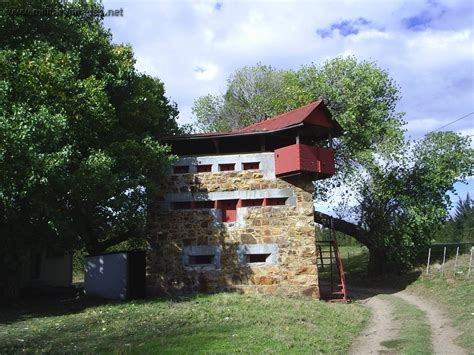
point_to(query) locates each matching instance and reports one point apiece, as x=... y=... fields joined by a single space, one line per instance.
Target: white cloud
x=206 y=72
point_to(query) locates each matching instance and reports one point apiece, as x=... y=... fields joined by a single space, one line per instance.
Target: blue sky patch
x=418 y=22
x=345 y=28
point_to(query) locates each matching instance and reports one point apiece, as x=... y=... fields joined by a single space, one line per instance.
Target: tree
x=253 y=94
x=460 y=226
x=399 y=204
x=403 y=202
x=78 y=129
x=463 y=219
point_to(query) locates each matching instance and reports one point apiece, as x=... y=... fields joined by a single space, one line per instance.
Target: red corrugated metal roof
x=285 y=120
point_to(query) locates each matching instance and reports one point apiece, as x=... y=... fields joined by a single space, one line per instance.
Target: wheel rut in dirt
x=443 y=335
x=383 y=325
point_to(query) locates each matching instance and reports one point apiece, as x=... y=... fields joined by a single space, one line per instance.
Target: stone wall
x=290 y=227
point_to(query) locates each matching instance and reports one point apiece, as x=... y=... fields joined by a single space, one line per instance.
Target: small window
x=204 y=168
x=184 y=205
x=275 y=201
x=252 y=202
x=226 y=167
x=257 y=258
x=203 y=204
x=251 y=166
x=181 y=169
x=201 y=259
x=258 y=254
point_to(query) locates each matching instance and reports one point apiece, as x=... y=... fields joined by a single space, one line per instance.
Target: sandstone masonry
x=291 y=228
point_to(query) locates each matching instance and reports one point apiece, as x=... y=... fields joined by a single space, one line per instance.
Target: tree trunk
x=9 y=280
x=351 y=229
x=377 y=261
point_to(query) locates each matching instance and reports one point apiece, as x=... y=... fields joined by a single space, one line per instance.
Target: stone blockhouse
x=236 y=213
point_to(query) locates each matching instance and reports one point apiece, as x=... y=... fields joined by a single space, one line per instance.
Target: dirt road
x=443 y=334
x=383 y=325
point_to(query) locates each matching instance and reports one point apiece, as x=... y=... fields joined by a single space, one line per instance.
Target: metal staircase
x=332 y=281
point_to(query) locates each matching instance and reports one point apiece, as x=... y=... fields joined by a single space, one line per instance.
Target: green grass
x=455 y=293
x=225 y=323
x=415 y=333
x=354 y=260
x=77 y=276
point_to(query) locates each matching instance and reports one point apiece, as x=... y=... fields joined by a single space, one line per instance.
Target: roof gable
x=314 y=113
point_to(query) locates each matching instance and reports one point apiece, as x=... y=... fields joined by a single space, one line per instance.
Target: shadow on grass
x=52 y=302
x=361 y=286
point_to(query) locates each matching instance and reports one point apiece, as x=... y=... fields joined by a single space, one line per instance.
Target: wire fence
x=451 y=259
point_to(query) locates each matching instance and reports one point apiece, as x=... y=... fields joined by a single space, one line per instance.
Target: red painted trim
x=227 y=167
x=251 y=202
x=299 y=158
x=204 y=168
x=251 y=166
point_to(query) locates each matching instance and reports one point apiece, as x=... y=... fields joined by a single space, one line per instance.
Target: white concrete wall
x=266 y=160
x=107 y=276
x=231 y=195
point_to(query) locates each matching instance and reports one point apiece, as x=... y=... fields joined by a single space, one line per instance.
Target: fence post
x=428 y=263
x=444 y=259
x=470 y=262
x=456 y=260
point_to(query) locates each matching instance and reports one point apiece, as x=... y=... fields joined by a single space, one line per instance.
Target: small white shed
x=119 y=275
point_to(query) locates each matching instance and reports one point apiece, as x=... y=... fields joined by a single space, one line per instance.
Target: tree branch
x=353 y=230
x=113 y=241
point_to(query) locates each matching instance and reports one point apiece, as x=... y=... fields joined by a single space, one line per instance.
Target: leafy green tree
x=404 y=201
x=253 y=94
x=460 y=226
x=463 y=219
x=79 y=129
x=361 y=96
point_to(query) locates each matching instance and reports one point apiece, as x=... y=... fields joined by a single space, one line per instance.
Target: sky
x=426 y=45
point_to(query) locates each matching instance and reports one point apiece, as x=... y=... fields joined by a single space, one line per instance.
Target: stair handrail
x=342 y=276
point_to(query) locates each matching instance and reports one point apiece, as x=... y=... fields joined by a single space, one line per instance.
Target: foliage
x=460 y=226
x=253 y=94
x=402 y=201
x=78 y=132
x=203 y=324
x=342 y=239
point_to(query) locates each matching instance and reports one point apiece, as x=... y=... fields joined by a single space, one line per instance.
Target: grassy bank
x=212 y=323
x=454 y=292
